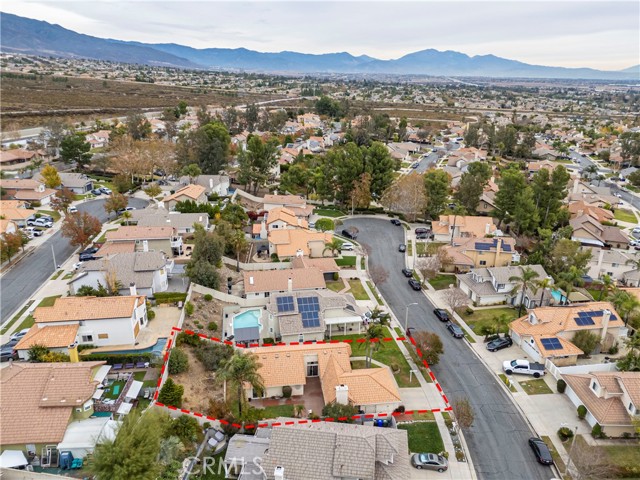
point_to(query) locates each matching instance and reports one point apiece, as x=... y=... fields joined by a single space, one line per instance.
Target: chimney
x=498 y=250
x=487 y=229
x=133 y=291
x=290 y=285
x=278 y=473
x=342 y=394
x=145 y=245
x=606 y=316
x=73 y=353
x=211 y=183
x=250 y=280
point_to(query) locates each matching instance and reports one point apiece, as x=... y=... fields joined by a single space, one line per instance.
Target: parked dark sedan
x=402 y=248
x=499 y=344
x=96 y=191
x=415 y=284
x=396 y=222
x=455 y=330
x=6 y=351
x=541 y=451
x=442 y=315
x=407 y=272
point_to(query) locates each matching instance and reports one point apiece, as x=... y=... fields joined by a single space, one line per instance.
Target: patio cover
x=85 y=434
x=102 y=372
x=13 y=458
x=134 y=389
x=124 y=408
x=246 y=334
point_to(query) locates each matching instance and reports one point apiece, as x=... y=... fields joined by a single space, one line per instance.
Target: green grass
x=375 y=293
x=410 y=248
x=555 y=455
x=48 y=301
x=357 y=290
x=68 y=276
x=421 y=248
x=358 y=364
x=362 y=265
x=423 y=437
x=441 y=282
x=387 y=352
x=110 y=394
x=625 y=456
x=481 y=319
x=335 y=286
x=57 y=274
x=535 y=387
x=349 y=261
x=418 y=362
x=214 y=470
x=53 y=213
x=398 y=331
x=26 y=323
x=507 y=382
x=594 y=292
x=7 y=326
x=625 y=216
x=324 y=212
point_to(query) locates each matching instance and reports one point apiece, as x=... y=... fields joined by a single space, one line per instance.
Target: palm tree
x=524 y=282
x=635 y=263
x=334 y=246
x=545 y=283
x=625 y=303
x=501 y=321
x=375 y=332
x=606 y=286
x=126 y=215
x=238 y=242
x=458 y=210
x=240 y=369
x=570 y=279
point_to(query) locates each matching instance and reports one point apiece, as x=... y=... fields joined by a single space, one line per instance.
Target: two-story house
x=612 y=399
x=263 y=283
x=194 y=193
x=99 y=321
x=462 y=226
x=295 y=203
x=278 y=218
x=159 y=217
x=27 y=190
x=492 y=286
x=472 y=252
x=213 y=184
x=289 y=243
x=546 y=332
x=148 y=271
x=589 y=232
x=615 y=263
x=16 y=212
x=146 y=239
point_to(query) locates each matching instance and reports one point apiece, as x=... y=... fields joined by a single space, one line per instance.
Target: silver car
x=429 y=461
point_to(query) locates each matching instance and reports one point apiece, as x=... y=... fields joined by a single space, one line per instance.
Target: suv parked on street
x=442 y=315
x=415 y=284
x=455 y=330
x=350 y=232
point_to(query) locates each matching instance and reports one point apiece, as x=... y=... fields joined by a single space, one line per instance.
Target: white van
x=347 y=246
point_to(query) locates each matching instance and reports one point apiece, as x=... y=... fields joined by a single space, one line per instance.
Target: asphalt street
x=23 y=280
x=498 y=438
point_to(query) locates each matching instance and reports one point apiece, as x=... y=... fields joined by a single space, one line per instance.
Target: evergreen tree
x=437 y=188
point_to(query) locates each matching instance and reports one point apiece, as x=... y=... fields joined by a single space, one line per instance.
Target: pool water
x=557 y=295
x=156 y=349
x=247 y=319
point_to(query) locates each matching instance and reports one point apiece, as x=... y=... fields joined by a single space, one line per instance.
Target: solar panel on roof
x=284 y=304
x=551 y=344
x=309 y=309
x=583 y=314
x=582 y=321
x=597 y=313
x=483 y=246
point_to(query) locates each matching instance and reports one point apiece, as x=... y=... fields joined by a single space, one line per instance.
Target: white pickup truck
x=524 y=367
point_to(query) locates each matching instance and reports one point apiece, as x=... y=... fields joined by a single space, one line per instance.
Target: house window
x=301 y=337
x=614 y=265
x=483 y=262
x=312 y=369
x=81 y=323
x=500 y=286
x=103 y=336
x=594 y=386
x=630 y=407
x=87 y=338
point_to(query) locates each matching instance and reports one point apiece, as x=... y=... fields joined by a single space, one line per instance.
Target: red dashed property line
x=171 y=343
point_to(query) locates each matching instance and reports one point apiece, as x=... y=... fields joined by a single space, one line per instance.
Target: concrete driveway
x=498 y=439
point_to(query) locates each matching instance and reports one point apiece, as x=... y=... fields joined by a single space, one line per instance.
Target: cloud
x=566 y=33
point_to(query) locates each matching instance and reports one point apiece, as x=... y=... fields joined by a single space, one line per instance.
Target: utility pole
x=55 y=264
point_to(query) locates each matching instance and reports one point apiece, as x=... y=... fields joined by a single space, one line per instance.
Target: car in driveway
x=72 y=210
x=402 y=248
x=85 y=257
x=19 y=335
x=455 y=330
x=541 y=451
x=105 y=190
x=96 y=191
x=41 y=222
x=407 y=272
x=429 y=461
x=442 y=315
x=396 y=222
x=415 y=284
x=7 y=350
x=34 y=232
x=499 y=344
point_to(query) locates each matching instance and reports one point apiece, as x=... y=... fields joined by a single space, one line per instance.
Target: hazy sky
x=578 y=33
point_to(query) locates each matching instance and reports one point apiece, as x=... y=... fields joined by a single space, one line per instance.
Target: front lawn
x=5 y=328
x=424 y=437
x=625 y=215
x=421 y=248
x=375 y=294
x=335 y=286
x=104 y=236
x=48 y=301
x=507 y=382
x=346 y=261
x=55 y=215
x=481 y=319
x=387 y=352
x=625 y=458
x=57 y=274
x=325 y=212
x=357 y=290
x=440 y=282
x=535 y=387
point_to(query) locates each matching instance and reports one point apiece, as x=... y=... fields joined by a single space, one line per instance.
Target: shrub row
x=114 y=358
x=169 y=297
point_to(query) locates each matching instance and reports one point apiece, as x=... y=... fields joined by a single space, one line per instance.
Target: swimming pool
x=156 y=349
x=247 y=319
x=557 y=295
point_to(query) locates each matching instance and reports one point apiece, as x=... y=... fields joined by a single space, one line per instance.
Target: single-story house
x=289 y=243
x=491 y=286
x=462 y=226
x=11 y=210
x=589 y=232
x=372 y=390
x=147 y=239
x=264 y=283
x=182 y=222
x=612 y=399
x=147 y=271
x=546 y=332
x=27 y=190
x=99 y=321
x=17 y=158
x=39 y=402
x=327 y=266
x=295 y=203
x=78 y=183
x=213 y=184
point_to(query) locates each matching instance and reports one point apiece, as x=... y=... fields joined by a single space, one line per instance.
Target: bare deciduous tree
x=590 y=463
x=378 y=274
x=429 y=267
x=455 y=298
x=407 y=196
x=463 y=412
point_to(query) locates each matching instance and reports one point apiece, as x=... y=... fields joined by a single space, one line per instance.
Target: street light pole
x=406 y=315
x=573 y=439
x=55 y=265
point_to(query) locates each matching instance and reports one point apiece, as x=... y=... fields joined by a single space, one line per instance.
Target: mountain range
x=24 y=35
